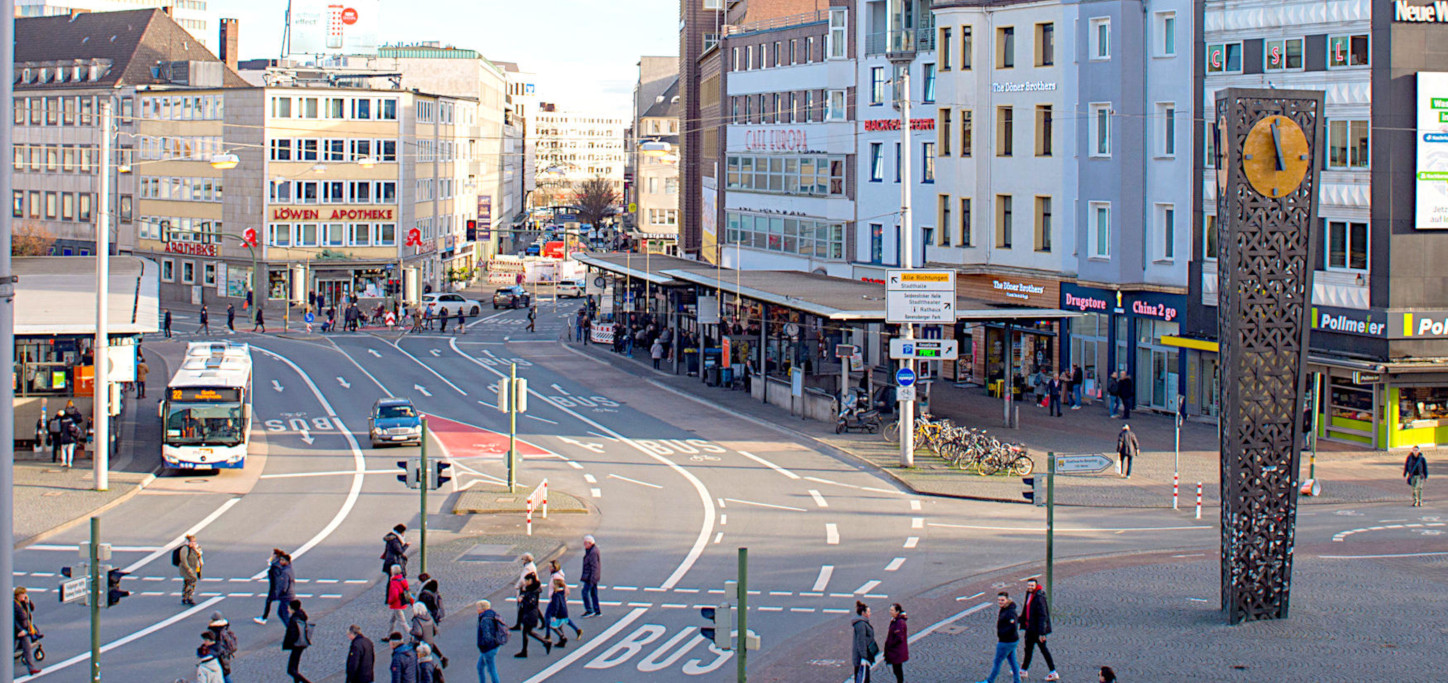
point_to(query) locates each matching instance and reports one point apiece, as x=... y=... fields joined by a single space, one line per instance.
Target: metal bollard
x=545 y=499
x=1199 y=500
x=1174 y=490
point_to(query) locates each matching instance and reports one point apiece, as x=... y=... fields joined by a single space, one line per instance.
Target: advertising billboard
x=1432 y=167
x=333 y=27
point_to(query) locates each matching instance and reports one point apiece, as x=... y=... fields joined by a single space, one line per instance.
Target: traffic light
x=472 y=228
x=409 y=472
x=1036 y=495
x=439 y=476
x=113 y=582
x=721 y=625
x=248 y=237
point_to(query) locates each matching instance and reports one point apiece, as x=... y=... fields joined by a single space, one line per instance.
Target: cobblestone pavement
x=1348 y=475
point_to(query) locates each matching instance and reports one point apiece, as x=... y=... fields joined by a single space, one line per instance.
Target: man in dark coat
x=1078 y=383
x=394 y=549
x=205 y=327
x=1007 y=638
x=404 y=660
x=589 y=578
x=1126 y=449
x=1415 y=470
x=492 y=634
x=231 y=317
x=1113 y=393
x=166 y=323
x=1127 y=386
x=360 y=658
x=1053 y=393
x=1036 y=622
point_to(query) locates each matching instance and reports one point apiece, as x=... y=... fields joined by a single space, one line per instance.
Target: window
x=927 y=162
x=1100 y=228
x=1043 y=223
x=359 y=234
x=1100 y=38
x=837 y=105
x=942 y=218
x=897 y=162
x=966 y=43
x=944 y=134
x=1224 y=58
x=362 y=109
x=838 y=33
x=1166 y=34
x=1347 y=144
x=32 y=199
x=1045 y=44
x=1003 y=220
x=877 y=243
x=1282 y=55
x=1166 y=114
x=17 y=204
x=384 y=235
x=1347 y=245
x=281 y=150
x=793 y=51
x=281 y=108
x=1005 y=131
x=168 y=270
x=966 y=133
x=1006 y=47
x=336 y=108
x=85 y=207
x=965 y=236
x=52 y=205
x=877 y=85
x=1101 y=130
x=1166 y=220
x=877 y=162
x=944 y=48
x=307 y=150
x=279 y=235
x=387 y=109
x=1044 y=126
x=188 y=272
x=208 y=276
x=67 y=206
x=308 y=107
x=927 y=94
x=1347 y=51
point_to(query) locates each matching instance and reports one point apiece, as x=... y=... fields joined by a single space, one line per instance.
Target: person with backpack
x=225 y=648
x=399 y=601
x=187 y=559
x=394 y=550
x=492 y=635
x=273 y=571
x=69 y=434
x=297 y=639
x=209 y=669
x=427 y=668
x=424 y=630
x=429 y=596
x=53 y=427
x=360 y=659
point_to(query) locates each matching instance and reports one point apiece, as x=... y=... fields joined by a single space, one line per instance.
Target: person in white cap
x=592 y=572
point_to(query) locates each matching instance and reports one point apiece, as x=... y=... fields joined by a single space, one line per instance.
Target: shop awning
x=838 y=298
x=57 y=295
x=647 y=267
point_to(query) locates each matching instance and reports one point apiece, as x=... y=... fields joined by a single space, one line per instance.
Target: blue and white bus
x=206 y=414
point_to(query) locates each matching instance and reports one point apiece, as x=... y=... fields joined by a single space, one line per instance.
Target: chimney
x=167 y=9
x=229 y=41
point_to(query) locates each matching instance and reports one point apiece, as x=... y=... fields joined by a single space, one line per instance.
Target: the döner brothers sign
x=287 y=213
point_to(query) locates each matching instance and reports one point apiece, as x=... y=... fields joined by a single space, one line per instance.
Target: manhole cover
x=489 y=552
x=953 y=630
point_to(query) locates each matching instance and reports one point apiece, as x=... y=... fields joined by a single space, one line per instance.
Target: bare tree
x=31 y=239
x=594 y=198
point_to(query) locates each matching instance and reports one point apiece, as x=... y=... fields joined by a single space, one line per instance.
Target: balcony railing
x=778 y=22
x=900 y=41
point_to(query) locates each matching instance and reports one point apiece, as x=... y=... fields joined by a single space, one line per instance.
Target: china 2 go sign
x=1432 y=167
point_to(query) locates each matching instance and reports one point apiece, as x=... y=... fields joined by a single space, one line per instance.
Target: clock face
x=1276 y=156
x=1219 y=145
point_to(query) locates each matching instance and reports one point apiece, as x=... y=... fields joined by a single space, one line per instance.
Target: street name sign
x=73 y=590
x=924 y=349
x=1082 y=464
x=920 y=297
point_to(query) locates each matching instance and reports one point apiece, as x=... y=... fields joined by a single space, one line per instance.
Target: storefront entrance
x=333 y=291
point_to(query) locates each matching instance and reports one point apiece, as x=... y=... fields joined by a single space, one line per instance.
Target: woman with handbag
x=25 y=632
x=399 y=601
x=865 y=649
x=528 y=609
x=297 y=640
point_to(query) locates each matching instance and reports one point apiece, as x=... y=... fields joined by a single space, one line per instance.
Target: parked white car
x=451 y=302
x=570 y=289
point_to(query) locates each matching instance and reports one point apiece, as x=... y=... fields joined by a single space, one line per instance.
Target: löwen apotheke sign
x=332 y=213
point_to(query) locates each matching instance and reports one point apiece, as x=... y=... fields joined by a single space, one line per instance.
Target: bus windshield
x=204 y=423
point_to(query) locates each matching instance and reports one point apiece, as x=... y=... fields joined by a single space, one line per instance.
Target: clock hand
x=1277 y=143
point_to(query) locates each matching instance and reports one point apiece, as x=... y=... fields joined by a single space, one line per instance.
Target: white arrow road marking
x=345 y=384
x=634 y=481
x=436 y=353
x=422 y=390
x=276 y=385
x=374 y=353
x=832 y=534
x=307 y=437
x=596 y=448
x=824 y=578
x=557 y=388
x=425 y=366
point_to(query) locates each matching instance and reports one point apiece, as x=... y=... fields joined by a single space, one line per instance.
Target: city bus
x=206 y=413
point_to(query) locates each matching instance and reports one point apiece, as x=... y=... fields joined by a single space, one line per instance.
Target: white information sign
x=920 y=297
x=1432 y=168
x=924 y=349
x=905 y=393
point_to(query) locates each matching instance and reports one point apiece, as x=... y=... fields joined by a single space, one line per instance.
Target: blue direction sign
x=309 y=318
x=905 y=377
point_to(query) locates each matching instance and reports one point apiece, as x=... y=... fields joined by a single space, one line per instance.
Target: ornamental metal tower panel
x=1267 y=145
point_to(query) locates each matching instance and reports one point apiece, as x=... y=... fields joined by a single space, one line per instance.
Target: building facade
x=654 y=187
x=194 y=16
x=577 y=146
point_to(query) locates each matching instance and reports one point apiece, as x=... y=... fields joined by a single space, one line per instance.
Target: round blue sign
x=310 y=318
x=904 y=377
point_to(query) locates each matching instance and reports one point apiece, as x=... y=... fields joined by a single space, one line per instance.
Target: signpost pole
x=1050 y=524
x=1316 y=396
x=424 y=479
x=907 y=261
x=513 y=429
x=741 y=641
x=95 y=598
x=100 y=386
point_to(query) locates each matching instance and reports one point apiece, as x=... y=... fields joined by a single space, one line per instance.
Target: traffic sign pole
x=422 y=475
x=95 y=599
x=1050 y=525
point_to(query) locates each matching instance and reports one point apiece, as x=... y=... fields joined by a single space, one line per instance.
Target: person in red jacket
x=1036 y=622
x=398 y=600
x=897 y=642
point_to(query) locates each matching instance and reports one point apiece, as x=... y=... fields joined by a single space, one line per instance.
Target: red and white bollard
x=1199 y=500
x=545 y=499
x=1174 y=499
x=530 y=516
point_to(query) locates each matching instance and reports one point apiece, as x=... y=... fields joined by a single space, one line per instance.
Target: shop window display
x=1420 y=407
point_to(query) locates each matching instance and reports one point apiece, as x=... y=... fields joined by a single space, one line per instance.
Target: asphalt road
x=677 y=487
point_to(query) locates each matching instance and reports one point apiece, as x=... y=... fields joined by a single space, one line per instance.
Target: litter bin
x=711 y=375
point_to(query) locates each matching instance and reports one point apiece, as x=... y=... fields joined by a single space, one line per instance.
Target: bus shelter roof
x=647 y=267
x=57 y=295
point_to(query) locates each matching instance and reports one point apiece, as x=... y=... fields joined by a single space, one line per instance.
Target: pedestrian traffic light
x=113 y=582
x=409 y=472
x=721 y=625
x=1036 y=494
x=439 y=476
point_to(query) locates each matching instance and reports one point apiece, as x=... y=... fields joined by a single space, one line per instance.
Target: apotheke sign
x=1436 y=12
x=288 y=213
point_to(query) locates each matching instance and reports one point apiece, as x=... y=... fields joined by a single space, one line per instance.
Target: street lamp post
x=100 y=386
x=907 y=256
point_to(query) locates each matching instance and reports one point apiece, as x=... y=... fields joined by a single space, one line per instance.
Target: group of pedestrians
x=1052 y=389
x=65 y=429
x=553 y=618
x=1121 y=394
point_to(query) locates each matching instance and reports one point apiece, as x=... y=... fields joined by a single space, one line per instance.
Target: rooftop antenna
x=286 y=32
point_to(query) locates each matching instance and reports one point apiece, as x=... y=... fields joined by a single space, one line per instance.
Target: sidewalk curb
x=828 y=449
x=66 y=526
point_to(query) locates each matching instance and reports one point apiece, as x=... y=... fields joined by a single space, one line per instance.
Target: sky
x=584 y=52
